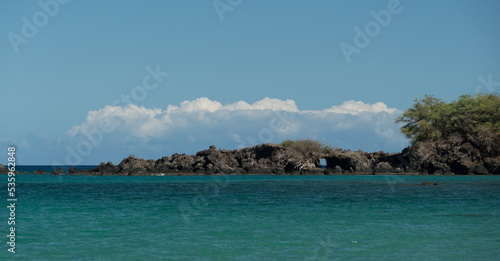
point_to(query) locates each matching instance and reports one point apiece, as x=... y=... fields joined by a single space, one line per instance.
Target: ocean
x=256 y=217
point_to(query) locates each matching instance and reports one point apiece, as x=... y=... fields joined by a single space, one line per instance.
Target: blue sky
x=87 y=54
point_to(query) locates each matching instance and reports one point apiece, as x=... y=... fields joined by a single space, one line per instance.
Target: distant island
x=461 y=137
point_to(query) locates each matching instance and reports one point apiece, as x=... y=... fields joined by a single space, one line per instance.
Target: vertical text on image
x=11 y=199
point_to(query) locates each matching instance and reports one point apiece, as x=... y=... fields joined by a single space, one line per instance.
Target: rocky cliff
x=444 y=156
x=3 y=169
x=450 y=156
x=438 y=157
x=260 y=159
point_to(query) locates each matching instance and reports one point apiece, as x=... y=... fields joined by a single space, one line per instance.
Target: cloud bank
x=116 y=131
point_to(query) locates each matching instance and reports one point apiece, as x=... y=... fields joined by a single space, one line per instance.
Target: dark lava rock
x=384 y=168
x=451 y=155
x=74 y=171
x=57 y=172
x=441 y=157
x=350 y=161
x=106 y=169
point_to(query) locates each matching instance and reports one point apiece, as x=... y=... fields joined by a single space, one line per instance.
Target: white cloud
x=200 y=104
x=193 y=125
x=139 y=121
x=356 y=107
x=205 y=104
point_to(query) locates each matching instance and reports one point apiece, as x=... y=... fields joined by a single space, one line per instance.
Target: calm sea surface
x=254 y=218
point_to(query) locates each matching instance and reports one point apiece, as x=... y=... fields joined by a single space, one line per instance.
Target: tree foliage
x=476 y=119
x=307 y=147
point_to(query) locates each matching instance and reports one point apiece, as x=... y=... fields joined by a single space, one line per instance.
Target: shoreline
x=239 y=174
x=439 y=157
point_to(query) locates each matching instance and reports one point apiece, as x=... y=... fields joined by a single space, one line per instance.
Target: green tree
x=476 y=119
x=307 y=147
x=425 y=120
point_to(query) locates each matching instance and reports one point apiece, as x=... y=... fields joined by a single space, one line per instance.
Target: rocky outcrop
x=359 y=162
x=441 y=157
x=260 y=159
x=3 y=169
x=57 y=172
x=450 y=156
x=438 y=157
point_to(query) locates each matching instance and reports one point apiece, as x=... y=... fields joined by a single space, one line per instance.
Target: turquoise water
x=255 y=218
